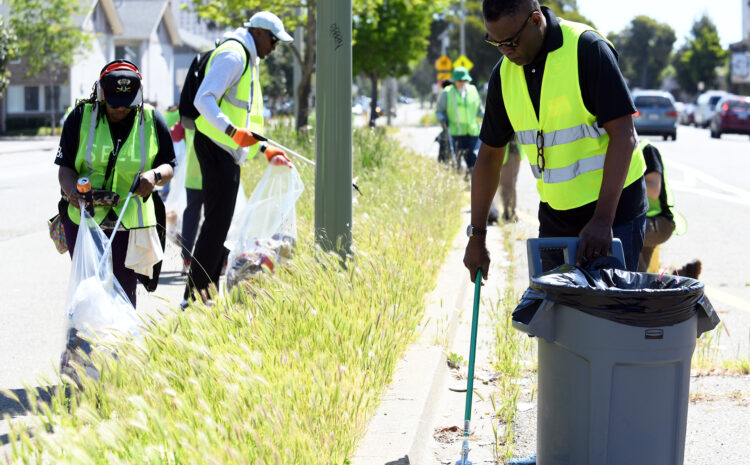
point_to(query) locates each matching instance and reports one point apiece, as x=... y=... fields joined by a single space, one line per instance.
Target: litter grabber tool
x=464 y=460
x=286 y=149
x=133 y=188
x=292 y=152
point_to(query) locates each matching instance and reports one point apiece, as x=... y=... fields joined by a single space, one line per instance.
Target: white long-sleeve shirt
x=225 y=72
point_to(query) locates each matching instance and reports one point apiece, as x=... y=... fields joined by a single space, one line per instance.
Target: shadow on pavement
x=9 y=406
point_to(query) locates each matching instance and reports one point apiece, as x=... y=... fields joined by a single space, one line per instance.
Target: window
x=60 y=96
x=652 y=101
x=31 y=98
x=126 y=52
x=15 y=99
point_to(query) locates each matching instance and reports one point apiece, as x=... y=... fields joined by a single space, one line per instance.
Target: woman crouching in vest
x=111 y=138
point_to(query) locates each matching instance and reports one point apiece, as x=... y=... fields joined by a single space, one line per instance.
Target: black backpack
x=193 y=80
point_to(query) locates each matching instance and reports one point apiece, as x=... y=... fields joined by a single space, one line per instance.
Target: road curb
x=398 y=433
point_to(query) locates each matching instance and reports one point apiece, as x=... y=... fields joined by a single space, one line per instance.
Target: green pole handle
x=472 y=349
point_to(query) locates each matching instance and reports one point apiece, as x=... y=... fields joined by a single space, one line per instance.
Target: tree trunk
x=307 y=63
x=374 y=101
x=53 y=103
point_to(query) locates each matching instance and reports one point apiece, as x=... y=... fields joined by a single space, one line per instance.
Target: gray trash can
x=614 y=361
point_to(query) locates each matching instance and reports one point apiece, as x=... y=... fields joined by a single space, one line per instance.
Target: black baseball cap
x=121 y=85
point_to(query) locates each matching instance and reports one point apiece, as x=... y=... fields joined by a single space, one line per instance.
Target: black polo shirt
x=68 y=149
x=605 y=95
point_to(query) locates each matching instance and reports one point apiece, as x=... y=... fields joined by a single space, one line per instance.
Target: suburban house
x=157 y=35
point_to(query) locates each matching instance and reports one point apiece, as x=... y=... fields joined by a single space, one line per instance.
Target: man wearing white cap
x=230 y=105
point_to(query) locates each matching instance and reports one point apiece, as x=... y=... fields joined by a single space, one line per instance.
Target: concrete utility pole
x=333 y=126
x=462 y=16
x=299 y=40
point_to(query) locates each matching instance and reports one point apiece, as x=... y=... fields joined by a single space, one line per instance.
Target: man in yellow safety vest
x=559 y=90
x=231 y=108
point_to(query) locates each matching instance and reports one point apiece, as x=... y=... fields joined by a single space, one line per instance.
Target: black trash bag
x=598 y=288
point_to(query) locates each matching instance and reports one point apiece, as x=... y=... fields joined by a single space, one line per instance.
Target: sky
x=614 y=16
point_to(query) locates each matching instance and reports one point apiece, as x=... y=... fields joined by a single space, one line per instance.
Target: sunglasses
x=513 y=41
x=274 y=39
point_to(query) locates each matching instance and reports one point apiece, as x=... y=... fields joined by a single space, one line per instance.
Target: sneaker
x=186 y=266
x=184 y=304
x=691 y=269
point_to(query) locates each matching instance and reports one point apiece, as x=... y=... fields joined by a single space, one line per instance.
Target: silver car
x=656 y=113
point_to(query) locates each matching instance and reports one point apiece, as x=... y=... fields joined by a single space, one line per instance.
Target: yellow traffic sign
x=443 y=76
x=443 y=64
x=463 y=61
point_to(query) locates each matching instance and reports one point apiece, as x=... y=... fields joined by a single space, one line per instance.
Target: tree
x=7 y=52
x=390 y=38
x=48 y=38
x=644 y=47
x=567 y=9
x=696 y=61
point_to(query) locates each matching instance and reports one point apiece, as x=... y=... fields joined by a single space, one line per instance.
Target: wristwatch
x=472 y=230
x=157 y=176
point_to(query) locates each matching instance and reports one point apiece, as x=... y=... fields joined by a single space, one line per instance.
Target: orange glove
x=276 y=156
x=243 y=137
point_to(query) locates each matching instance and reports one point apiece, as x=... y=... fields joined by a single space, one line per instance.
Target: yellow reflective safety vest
x=654 y=205
x=573 y=146
x=136 y=155
x=193 y=176
x=242 y=103
x=462 y=111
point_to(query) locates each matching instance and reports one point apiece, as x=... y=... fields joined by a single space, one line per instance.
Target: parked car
x=705 y=106
x=656 y=113
x=685 y=113
x=732 y=115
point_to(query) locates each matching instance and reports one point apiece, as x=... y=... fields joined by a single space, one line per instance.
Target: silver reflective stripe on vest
x=142 y=138
x=561 y=136
x=570 y=172
x=92 y=130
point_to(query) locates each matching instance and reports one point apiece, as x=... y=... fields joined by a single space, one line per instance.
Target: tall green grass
x=285 y=370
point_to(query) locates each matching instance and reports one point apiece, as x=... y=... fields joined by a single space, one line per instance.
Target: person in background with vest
x=457 y=110
x=559 y=89
x=660 y=218
x=115 y=117
x=508 y=180
x=230 y=104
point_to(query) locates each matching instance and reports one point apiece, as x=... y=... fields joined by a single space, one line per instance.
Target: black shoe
x=691 y=269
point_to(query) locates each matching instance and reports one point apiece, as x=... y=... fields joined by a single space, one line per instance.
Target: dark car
x=732 y=116
x=656 y=113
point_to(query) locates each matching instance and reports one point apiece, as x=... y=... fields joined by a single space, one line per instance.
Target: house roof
x=111 y=12
x=108 y=6
x=142 y=17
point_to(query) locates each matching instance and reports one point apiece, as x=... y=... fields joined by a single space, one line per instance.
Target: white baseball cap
x=270 y=22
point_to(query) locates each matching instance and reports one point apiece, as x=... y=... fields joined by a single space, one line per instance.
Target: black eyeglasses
x=540 y=150
x=513 y=41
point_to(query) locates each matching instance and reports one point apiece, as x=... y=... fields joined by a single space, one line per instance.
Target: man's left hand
x=146 y=184
x=277 y=157
x=595 y=240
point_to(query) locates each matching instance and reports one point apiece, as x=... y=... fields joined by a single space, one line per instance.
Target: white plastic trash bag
x=97 y=306
x=266 y=231
x=177 y=198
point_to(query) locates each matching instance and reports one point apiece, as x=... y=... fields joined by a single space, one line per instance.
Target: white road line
x=694 y=177
x=739 y=303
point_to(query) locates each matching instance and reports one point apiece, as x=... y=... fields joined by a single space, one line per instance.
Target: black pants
x=221 y=179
